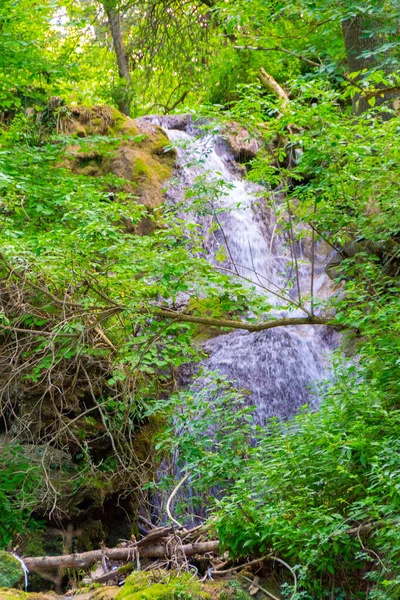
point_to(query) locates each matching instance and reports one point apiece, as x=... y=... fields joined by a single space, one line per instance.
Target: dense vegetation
x=93 y=268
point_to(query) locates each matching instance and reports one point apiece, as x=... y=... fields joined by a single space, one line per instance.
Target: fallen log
x=273 y=86
x=85 y=559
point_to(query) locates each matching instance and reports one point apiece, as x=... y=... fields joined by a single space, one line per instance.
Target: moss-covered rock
x=138 y=152
x=7 y=594
x=161 y=585
x=104 y=593
x=170 y=585
x=10 y=570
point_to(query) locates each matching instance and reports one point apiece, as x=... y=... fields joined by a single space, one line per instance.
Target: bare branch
x=279 y=49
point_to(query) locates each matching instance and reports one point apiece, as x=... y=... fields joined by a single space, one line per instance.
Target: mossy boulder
x=104 y=593
x=11 y=572
x=7 y=594
x=138 y=153
x=161 y=585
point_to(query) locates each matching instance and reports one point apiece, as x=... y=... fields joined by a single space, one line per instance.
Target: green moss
x=233 y=591
x=161 y=585
x=12 y=594
x=104 y=593
x=126 y=568
x=10 y=570
x=7 y=594
x=141 y=168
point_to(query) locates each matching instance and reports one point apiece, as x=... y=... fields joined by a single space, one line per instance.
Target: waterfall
x=279 y=367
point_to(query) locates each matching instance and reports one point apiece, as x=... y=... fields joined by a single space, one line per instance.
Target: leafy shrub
x=19 y=491
x=322 y=490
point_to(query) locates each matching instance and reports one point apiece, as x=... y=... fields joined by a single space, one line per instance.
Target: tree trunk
x=356 y=42
x=123 y=99
x=85 y=559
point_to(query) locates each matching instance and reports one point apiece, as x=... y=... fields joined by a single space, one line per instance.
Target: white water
x=279 y=367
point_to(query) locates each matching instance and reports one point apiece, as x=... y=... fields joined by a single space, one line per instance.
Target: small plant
x=19 y=492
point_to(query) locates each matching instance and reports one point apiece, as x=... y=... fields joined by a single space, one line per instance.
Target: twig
x=253 y=562
x=266 y=592
x=313 y=262
x=172 y=496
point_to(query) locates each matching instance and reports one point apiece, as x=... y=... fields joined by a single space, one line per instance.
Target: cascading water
x=279 y=367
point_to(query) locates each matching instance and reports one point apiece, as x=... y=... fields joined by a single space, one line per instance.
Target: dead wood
x=85 y=559
x=273 y=86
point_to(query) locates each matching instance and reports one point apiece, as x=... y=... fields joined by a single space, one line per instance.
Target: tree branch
x=285 y=322
x=279 y=49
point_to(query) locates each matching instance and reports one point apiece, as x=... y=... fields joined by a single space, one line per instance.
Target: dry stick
x=327 y=241
x=253 y=562
x=282 y=562
x=111 y=574
x=252 y=264
x=38 y=332
x=294 y=253
x=182 y=317
x=266 y=592
x=103 y=420
x=39 y=288
x=269 y=82
x=226 y=243
x=146 y=522
x=172 y=496
x=270 y=249
x=263 y=286
x=313 y=64
x=154 y=535
x=238 y=567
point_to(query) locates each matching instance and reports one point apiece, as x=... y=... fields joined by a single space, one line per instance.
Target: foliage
x=19 y=492
x=81 y=290
x=10 y=570
x=161 y=585
x=321 y=490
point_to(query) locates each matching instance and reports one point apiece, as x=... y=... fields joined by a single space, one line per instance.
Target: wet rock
x=243 y=145
x=180 y=122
